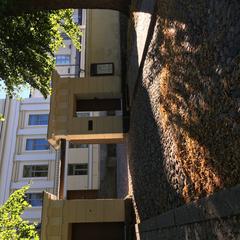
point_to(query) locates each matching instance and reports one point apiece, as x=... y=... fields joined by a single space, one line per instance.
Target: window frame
x=26 y=119
x=74 y=170
x=63 y=55
x=37 y=114
x=32 y=171
x=37 y=193
x=35 y=138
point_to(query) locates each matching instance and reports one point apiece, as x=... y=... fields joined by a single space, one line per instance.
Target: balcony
x=62 y=218
x=72 y=96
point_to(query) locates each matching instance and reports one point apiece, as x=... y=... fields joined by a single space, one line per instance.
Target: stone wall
x=216 y=217
x=185 y=119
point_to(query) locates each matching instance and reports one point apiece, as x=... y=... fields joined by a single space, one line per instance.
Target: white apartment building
x=26 y=157
x=70 y=62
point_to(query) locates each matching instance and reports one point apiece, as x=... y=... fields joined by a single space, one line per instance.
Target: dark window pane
x=78 y=169
x=35 y=199
x=70 y=169
x=111 y=150
x=26 y=171
x=38 y=119
x=35 y=170
x=65 y=36
x=37 y=144
x=63 y=59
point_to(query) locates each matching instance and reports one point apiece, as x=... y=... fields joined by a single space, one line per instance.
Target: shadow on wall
x=214 y=217
x=185 y=120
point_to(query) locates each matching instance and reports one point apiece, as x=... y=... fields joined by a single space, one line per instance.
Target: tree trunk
x=16 y=7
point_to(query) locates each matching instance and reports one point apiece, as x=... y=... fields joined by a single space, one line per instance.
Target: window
x=77 y=145
x=35 y=171
x=38 y=119
x=77 y=169
x=35 y=199
x=63 y=59
x=65 y=36
x=77 y=17
x=37 y=144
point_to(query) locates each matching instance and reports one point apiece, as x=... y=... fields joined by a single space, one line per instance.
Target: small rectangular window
x=35 y=199
x=77 y=169
x=77 y=145
x=35 y=171
x=63 y=59
x=38 y=119
x=37 y=144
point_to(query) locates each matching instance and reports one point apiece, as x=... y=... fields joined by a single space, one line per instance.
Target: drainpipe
x=90 y=166
x=66 y=169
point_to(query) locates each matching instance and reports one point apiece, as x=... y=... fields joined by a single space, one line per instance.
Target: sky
x=23 y=93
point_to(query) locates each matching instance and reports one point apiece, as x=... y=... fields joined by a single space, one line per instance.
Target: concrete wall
x=216 y=217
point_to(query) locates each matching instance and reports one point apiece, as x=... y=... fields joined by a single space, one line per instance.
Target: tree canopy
x=27 y=46
x=12 y=226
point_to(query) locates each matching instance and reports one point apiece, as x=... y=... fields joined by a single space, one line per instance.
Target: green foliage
x=27 y=46
x=2 y=119
x=12 y=226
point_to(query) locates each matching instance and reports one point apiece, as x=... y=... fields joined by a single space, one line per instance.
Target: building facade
x=87 y=115
x=26 y=157
x=25 y=154
x=77 y=169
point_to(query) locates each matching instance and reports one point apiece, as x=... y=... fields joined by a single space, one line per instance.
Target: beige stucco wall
x=59 y=214
x=103 y=39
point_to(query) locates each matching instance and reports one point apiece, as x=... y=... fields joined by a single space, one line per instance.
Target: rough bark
x=15 y=7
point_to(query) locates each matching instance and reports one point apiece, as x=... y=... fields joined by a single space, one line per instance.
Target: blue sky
x=23 y=93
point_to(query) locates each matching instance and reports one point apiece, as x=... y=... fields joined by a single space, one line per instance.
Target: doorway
x=98 y=231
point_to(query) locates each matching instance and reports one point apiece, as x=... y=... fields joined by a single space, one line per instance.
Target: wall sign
x=102 y=69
